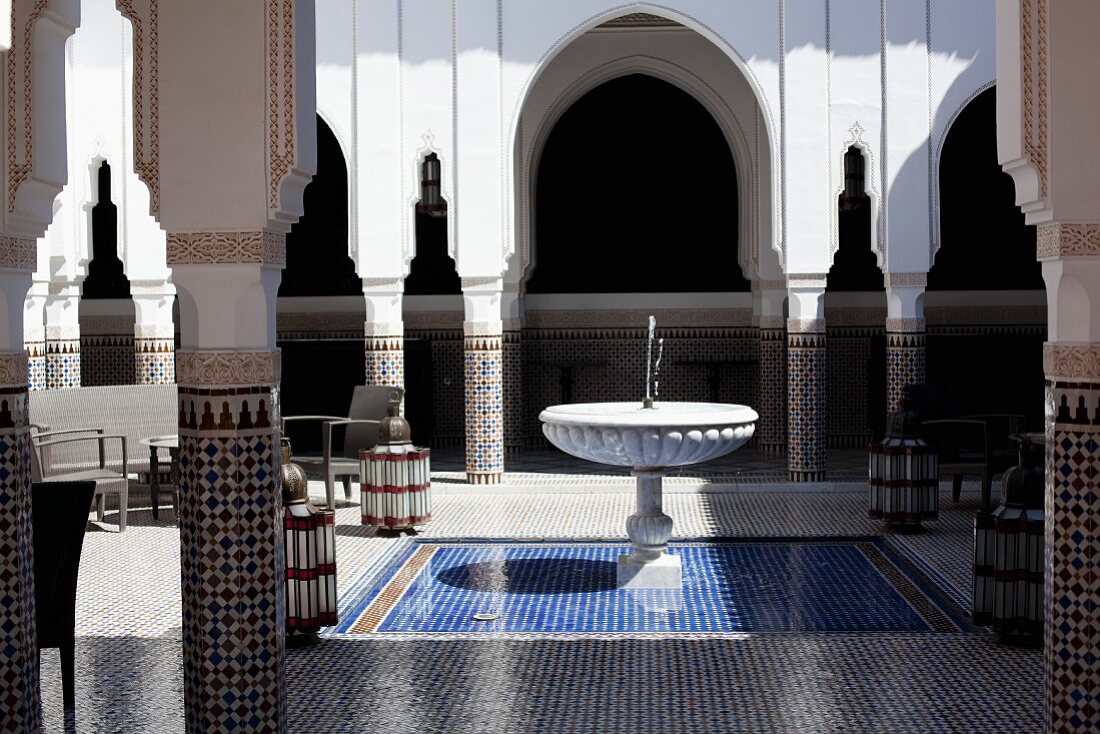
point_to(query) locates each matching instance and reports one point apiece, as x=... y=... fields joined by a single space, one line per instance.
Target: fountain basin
x=650 y=440
x=670 y=434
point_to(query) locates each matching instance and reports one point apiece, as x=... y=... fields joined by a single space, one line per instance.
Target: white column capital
x=226 y=306
x=481 y=300
x=806 y=302
x=383 y=299
x=769 y=304
x=904 y=303
x=1073 y=299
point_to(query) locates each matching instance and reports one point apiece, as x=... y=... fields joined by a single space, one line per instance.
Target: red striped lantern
x=903 y=474
x=396 y=478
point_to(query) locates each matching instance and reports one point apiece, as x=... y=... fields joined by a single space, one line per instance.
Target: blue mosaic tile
x=569 y=588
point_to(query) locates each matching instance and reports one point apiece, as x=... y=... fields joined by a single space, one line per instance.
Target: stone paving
x=129 y=663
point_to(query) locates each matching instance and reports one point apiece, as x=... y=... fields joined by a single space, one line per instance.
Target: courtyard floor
x=129 y=658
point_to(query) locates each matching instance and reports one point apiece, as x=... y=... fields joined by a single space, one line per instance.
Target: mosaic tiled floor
x=129 y=662
x=557 y=588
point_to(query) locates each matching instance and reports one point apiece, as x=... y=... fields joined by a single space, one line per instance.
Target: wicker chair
x=339 y=456
x=973 y=445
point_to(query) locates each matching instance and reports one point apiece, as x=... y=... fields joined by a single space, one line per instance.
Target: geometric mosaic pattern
x=484 y=409
x=385 y=360
x=36 y=364
x=771 y=429
x=1072 y=595
x=232 y=562
x=512 y=356
x=154 y=361
x=905 y=365
x=106 y=359
x=849 y=360
x=62 y=363
x=19 y=676
x=806 y=370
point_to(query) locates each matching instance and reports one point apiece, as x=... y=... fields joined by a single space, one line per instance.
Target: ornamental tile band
x=1067 y=239
x=1072 y=361
x=252 y=246
x=18 y=253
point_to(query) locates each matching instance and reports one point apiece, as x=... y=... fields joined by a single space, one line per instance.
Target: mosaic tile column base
x=20 y=706
x=484 y=409
x=1072 y=515
x=36 y=365
x=62 y=363
x=905 y=361
x=232 y=557
x=771 y=429
x=154 y=361
x=806 y=416
x=512 y=356
x=385 y=360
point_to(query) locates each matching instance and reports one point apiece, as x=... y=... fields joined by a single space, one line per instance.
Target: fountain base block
x=663 y=572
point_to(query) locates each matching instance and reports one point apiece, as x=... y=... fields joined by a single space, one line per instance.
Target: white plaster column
x=483 y=327
x=154 y=332
x=770 y=318
x=806 y=377
x=1048 y=140
x=35 y=171
x=225 y=139
x=512 y=367
x=384 y=332
x=905 y=336
x=34 y=335
x=63 y=335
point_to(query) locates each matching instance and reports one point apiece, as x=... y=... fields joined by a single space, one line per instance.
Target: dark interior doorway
x=636 y=192
x=106 y=274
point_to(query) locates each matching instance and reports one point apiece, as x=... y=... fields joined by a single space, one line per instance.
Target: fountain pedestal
x=650 y=438
x=649 y=528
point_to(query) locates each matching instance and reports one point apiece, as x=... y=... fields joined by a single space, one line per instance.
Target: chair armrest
x=346 y=421
x=66 y=431
x=101 y=439
x=326 y=436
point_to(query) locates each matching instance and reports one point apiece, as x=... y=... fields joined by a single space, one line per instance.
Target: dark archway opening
x=317 y=262
x=985 y=245
x=106 y=274
x=432 y=271
x=855 y=266
x=636 y=193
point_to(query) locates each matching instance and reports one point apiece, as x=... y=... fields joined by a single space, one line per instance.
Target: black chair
x=60 y=516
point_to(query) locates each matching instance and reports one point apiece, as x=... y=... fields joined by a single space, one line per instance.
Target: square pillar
x=63 y=336
x=905 y=335
x=484 y=389
x=384 y=332
x=806 y=379
x=34 y=336
x=769 y=299
x=154 y=333
x=512 y=369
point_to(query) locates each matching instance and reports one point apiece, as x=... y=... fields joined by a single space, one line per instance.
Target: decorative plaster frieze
x=805 y=326
x=13 y=369
x=1033 y=43
x=639 y=20
x=771 y=285
x=482 y=328
x=384 y=285
x=806 y=280
x=433 y=321
x=19 y=98
x=228 y=369
x=380 y=330
x=154 y=331
x=142 y=15
x=1068 y=239
x=106 y=324
x=905 y=325
x=488 y=283
x=18 y=253
x=867 y=316
x=281 y=133
x=319 y=321
x=951 y=315
x=1072 y=361
x=62 y=332
x=906 y=280
x=772 y=322
x=251 y=246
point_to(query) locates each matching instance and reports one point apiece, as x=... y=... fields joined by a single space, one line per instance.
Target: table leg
x=154 y=481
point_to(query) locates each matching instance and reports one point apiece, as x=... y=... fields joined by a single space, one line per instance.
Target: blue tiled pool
x=729 y=587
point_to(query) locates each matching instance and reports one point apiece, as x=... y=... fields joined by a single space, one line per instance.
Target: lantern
x=396 y=478
x=903 y=473
x=1017 y=609
x=310 y=547
x=431 y=197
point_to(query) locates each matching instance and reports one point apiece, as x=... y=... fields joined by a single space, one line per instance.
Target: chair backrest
x=59 y=512
x=952 y=436
x=368 y=402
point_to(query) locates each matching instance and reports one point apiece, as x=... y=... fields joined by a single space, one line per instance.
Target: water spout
x=648 y=402
x=657 y=367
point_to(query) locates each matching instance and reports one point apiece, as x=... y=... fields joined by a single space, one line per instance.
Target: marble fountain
x=650 y=437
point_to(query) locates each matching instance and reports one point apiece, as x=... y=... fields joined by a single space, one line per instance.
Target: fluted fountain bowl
x=669 y=434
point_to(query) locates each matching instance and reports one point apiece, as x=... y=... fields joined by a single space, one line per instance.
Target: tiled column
x=512 y=370
x=806 y=378
x=768 y=317
x=1071 y=362
x=19 y=691
x=63 y=336
x=154 y=333
x=905 y=353
x=484 y=390
x=34 y=336
x=384 y=333
x=232 y=562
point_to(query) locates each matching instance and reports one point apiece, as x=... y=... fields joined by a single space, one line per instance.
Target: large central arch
x=679 y=56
